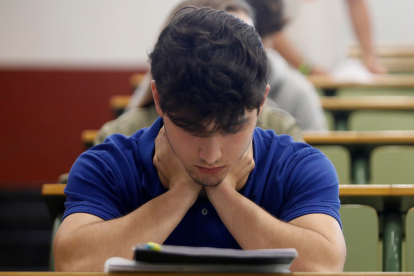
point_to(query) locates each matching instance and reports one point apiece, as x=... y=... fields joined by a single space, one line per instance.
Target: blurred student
x=288 y=88
x=315 y=39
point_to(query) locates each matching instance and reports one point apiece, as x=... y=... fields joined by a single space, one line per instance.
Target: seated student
x=202 y=174
x=290 y=90
x=288 y=87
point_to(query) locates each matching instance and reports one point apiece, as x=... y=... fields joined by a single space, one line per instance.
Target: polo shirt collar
x=146 y=146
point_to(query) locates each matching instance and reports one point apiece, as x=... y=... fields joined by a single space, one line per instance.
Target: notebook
x=168 y=258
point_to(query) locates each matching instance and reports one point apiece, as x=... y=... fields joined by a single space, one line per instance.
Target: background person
x=290 y=90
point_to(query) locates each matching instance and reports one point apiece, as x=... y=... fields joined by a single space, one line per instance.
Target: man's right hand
x=170 y=169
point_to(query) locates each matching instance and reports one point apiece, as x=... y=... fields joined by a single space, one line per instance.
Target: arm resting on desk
x=84 y=242
x=317 y=237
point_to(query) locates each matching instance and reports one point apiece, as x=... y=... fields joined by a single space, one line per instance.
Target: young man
x=202 y=175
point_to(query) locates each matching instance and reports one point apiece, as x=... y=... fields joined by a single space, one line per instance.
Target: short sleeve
x=96 y=181
x=311 y=186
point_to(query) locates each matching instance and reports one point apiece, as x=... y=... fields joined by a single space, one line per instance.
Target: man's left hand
x=238 y=175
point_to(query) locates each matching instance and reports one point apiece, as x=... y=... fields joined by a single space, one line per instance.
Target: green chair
x=409 y=241
x=377 y=120
x=392 y=242
x=341 y=159
x=392 y=165
x=330 y=120
x=361 y=232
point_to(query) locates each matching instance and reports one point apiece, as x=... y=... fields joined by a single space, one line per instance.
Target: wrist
x=305 y=68
x=219 y=192
x=187 y=190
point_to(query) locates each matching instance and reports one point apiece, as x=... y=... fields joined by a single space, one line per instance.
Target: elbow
x=333 y=262
x=329 y=261
x=61 y=253
x=65 y=254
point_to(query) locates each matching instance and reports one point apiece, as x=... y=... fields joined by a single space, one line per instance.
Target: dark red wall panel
x=42 y=115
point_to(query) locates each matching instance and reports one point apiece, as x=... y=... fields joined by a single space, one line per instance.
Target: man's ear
x=156 y=98
x=264 y=99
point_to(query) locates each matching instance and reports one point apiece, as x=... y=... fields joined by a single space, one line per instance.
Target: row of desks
x=327 y=82
x=328 y=103
x=327 y=137
x=386 y=51
x=344 y=190
x=201 y=274
x=398 y=198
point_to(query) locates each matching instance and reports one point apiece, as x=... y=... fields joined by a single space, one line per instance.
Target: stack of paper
x=150 y=257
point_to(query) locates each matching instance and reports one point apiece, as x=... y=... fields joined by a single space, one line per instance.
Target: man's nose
x=210 y=150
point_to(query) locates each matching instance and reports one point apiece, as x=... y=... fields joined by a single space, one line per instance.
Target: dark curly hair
x=269 y=16
x=209 y=67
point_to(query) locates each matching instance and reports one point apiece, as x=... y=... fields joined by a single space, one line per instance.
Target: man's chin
x=208 y=181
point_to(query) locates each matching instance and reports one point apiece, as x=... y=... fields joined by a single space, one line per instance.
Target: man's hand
x=238 y=175
x=170 y=169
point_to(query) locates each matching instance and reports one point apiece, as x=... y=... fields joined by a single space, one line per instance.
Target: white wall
x=122 y=32
x=393 y=20
x=80 y=32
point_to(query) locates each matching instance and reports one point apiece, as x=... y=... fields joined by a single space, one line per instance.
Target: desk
x=119 y=103
x=200 y=274
x=404 y=137
x=136 y=79
x=87 y=137
x=381 y=197
x=376 y=103
x=390 y=51
x=342 y=107
x=398 y=65
x=331 y=84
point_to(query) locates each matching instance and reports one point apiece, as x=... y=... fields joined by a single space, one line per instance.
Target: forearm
x=362 y=25
x=87 y=247
x=286 y=50
x=254 y=228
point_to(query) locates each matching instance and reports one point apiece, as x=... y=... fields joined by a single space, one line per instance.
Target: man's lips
x=210 y=170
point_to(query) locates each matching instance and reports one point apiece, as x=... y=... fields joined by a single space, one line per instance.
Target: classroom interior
x=68 y=67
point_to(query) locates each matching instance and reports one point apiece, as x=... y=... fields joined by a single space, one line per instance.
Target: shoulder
x=111 y=179
x=294 y=178
x=283 y=154
x=120 y=153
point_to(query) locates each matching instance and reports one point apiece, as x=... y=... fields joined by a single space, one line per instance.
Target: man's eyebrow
x=227 y=129
x=239 y=127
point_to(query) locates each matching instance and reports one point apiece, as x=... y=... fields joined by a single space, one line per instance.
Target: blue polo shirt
x=289 y=180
